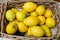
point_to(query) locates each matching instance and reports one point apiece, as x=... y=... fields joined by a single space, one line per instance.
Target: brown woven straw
x=52 y=5
x=1 y=9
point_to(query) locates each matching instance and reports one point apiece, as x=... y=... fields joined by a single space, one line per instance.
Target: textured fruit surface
x=31 y=21
x=29 y=33
x=48 y=13
x=11 y=28
x=37 y=31
x=40 y=10
x=10 y=15
x=41 y=20
x=47 y=30
x=29 y=6
x=50 y=22
x=21 y=15
x=33 y=14
x=14 y=10
x=22 y=27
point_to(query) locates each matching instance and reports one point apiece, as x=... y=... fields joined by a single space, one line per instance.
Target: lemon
x=16 y=21
x=11 y=28
x=14 y=10
x=10 y=15
x=37 y=31
x=27 y=14
x=29 y=6
x=31 y=21
x=48 y=13
x=29 y=33
x=33 y=14
x=41 y=20
x=21 y=15
x=50 y=22
x=22 y=27
x=47 y=30
x=40 y=10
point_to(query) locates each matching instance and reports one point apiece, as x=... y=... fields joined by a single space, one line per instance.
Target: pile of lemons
x=32 y=19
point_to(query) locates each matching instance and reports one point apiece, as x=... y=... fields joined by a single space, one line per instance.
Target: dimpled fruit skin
x=11 y=28
x=10 y=15
x=48 y=13
x=29 y=33
x=33 y=14
x=47 y=30
x=31 y=21
x=40 y=10
x=14 y=10
x=41 y=20
x=37 y=31
x=50 y=22
x=22 y=27
x=29 y=6
x=21 y=15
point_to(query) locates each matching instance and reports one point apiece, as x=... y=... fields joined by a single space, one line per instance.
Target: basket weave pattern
x=52 y=5
x=1 y=9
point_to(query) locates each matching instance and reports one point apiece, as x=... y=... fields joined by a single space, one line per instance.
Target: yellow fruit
x=16 y=21
x=11 y=28
x=22 y=27
x=29 y=6
x=47 y=30
x=21 y=15
x=27 y=14
x=10 y=15
x=41 y=20
x=40 y=10
x=37 y=31
x=31 y=21
x=29 y=33
x=48 y=13
x=14 y=10
x=33 y=14
x=50 y=22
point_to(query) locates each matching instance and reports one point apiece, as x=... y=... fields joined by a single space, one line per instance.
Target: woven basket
x=52 y=5
x=1 y=9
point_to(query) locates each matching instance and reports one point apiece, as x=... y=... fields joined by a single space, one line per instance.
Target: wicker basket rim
x=21 y=36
